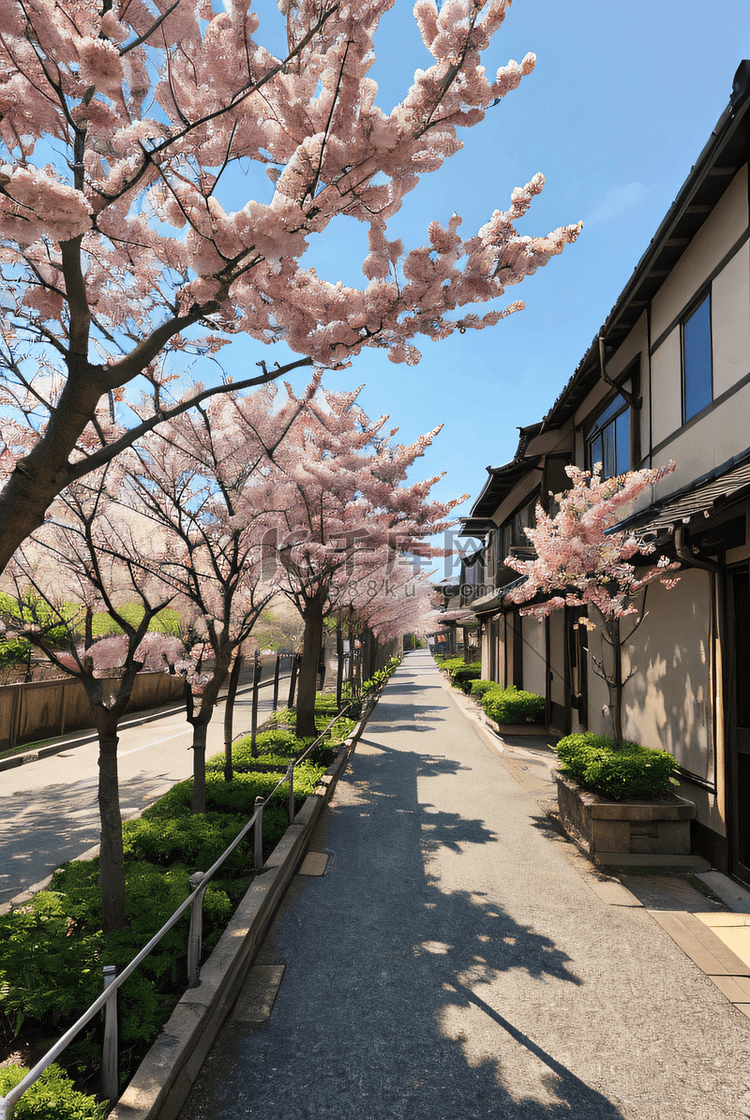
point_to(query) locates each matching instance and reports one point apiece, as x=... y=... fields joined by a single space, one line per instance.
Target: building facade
x=667 y=378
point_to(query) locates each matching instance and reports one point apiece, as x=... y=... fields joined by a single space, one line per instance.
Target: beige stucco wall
x=666 y=389
x=718 y=437
x=721 y=230
x=722 y=432
x=669 y=702
x=730 y=312
x=534 y=654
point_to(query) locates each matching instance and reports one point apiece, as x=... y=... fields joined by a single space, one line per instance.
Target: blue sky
x=623 y=98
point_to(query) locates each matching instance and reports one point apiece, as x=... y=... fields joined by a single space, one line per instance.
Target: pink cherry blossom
x=583 y=561
x=121 y=134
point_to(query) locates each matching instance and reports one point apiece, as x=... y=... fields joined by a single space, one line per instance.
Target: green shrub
x=325 y=710
x=51 y=1097
x=378 y=679
x=45 y=973
x=461 y=672
x=631 y=773
x=465 y=677
x=275 y=749
x=512 y=705
x=450 y=664
x=478 y=688
x=237 y=797
x=195 y=842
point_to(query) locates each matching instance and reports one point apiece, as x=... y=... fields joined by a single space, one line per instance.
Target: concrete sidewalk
x=459 y=959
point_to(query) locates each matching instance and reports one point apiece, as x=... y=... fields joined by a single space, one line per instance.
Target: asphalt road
x=49 y=812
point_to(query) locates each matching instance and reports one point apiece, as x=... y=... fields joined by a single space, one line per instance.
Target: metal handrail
x=9 y=1101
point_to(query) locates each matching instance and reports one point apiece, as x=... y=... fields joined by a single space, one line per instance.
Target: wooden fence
x=46 y=709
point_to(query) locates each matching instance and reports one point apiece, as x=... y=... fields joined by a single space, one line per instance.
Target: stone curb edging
x=162 y=1082
x=489 y=731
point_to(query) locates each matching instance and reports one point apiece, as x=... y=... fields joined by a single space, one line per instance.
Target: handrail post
x=257 y=670
x=293 y=679
x=110 y=1075
x=290 y=776
x=195 y=936
x=276 y=676
x=258 y=835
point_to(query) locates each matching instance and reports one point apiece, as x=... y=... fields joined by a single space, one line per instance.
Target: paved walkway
x=458 y=960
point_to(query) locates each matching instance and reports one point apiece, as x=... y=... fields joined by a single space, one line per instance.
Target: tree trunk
x=111 y=860
x=312 y=645
x=199 y=721
x=614 y=683
x=200 y=732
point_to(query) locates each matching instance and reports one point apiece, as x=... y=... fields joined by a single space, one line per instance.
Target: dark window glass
x=609 y=439
x=696 y=360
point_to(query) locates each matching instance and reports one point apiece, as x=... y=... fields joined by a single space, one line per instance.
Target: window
x=524 y=518
x=608 y=439
x=697 y=388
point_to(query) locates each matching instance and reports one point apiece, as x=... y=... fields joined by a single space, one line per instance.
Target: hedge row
x=508 y=705
x=460 y=672
x=52 y=950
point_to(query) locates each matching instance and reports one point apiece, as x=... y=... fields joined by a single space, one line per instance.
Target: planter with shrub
x=462 y=673
x=621 y=801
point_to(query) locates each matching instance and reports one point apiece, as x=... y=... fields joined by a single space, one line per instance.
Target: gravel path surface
x=455 y=961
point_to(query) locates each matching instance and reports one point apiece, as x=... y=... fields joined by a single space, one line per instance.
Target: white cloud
x=616 y=202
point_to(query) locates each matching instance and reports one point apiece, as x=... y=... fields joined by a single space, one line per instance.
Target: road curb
x=162 y=1082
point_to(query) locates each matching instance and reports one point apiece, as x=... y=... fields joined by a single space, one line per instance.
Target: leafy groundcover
x=52 y=950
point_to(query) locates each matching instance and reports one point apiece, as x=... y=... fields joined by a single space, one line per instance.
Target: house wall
x=718 y=259
x=675 y=699
x=489 y=644
x=534 y=655
x=669 y=703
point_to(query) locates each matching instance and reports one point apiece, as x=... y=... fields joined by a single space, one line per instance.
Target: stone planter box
x=637 y=827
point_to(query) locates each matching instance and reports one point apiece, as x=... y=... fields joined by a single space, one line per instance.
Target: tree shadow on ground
x=392 y=1000
x=43 y=828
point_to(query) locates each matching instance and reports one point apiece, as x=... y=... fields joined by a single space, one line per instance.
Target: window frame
x=607 y=417
x=703 y=300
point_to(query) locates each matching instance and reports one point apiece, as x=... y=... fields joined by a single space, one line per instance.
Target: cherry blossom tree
x=583 y=562
x=344 y=519
x=202 y=483
x=79 y=552
x=138 y=230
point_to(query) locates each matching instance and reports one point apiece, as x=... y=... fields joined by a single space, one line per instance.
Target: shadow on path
x=44 y=828
x=391 y=1003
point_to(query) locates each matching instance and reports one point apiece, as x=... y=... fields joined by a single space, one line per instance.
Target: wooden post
x=234 y=679
x=277 y=672
x=293 y=680
x=257 y=668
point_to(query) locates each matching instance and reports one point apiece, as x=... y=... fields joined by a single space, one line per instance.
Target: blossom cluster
x=581 y=558
x=152 y=102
